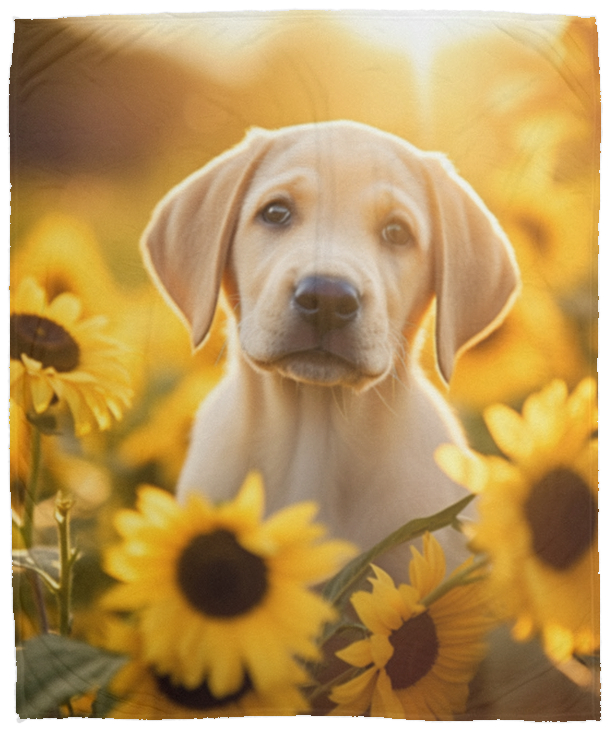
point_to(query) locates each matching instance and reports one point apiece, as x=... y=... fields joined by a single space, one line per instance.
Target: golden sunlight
x=421 y=36
x=238 y=49
x=232 y=45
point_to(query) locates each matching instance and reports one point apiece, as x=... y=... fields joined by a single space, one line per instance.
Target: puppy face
x=331 y=239
x=331 y=260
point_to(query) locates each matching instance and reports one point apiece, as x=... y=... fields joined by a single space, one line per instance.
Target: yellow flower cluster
x=57 y=356
x=538 y=515
x=222 y=601
x=422 y=652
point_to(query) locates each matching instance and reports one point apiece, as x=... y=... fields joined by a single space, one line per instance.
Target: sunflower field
x=131 y=604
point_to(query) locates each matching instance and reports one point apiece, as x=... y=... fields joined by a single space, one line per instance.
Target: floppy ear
x=186 y=243
x=476 y=274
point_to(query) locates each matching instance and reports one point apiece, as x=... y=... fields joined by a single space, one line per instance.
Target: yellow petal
x=65 y=309
x=307 y=563
x=384 y=701
x=582 y=402
x=464 y=467
x=157 y=505
x=428 y=571
x=30 y=297
x=366 y=607
x=249 y=501
x=508 y=430
x=544 y=414
x=357 y=690
x=391 y=608
x=42 y=393
x=357 y=654
x=381 y=649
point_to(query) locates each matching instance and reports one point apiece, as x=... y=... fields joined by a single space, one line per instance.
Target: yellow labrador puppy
x=330 y=242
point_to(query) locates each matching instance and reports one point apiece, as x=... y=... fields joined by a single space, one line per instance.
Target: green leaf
x=51 y=669
x=337 y=588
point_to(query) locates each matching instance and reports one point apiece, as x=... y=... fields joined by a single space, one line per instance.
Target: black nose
x=325 y=302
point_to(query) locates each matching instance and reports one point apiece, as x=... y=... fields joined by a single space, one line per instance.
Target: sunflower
x=150 y=695
x=62 y=254
x=538 y=515
x=144 y=693
x=419 y=657
x=519 y=356
x=58 y=357
x=219 y=593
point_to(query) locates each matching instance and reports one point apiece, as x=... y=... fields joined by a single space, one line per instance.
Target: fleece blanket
x=134 y=601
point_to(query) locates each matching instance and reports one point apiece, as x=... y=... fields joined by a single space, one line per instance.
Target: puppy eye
x=276 y=213
x=396 y=232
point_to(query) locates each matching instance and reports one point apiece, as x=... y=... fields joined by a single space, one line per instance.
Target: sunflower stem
x=67 y=556
x=335 y=628
x=464 y=577
x=26 y=525
x=27 y=529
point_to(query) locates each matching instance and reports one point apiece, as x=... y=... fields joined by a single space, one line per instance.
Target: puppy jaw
x=273 y=337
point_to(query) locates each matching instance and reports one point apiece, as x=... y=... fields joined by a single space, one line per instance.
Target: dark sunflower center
x=219 y=577
x=200 y=697
x=562 y=514
x=44 y=341
x=416 y=648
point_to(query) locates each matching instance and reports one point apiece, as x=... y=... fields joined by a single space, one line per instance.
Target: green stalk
x=67 y=556
x=26 y=525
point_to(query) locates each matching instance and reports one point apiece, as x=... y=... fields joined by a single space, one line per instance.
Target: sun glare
x=422 y=35
x=232 y=45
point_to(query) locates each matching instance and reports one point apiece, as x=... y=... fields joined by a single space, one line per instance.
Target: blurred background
x=107 y=114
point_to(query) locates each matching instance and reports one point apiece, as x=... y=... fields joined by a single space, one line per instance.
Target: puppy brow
x=297 y=182
x=387 y=197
